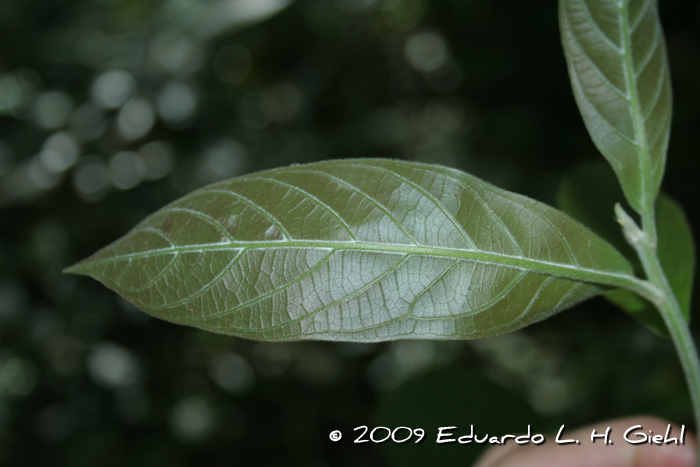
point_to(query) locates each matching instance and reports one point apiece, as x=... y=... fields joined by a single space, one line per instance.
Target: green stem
x=644 y=241
x=683 y=340
x=677 y=327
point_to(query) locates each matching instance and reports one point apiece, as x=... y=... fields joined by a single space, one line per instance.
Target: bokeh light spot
x=91 y=178
x=193 y=419
x=426 y=51
x=159 y=160
x=59 y=152
x=126 y=170
x=52 y=109
x=177 y=102
x=112 y=366
x=231 y=372
x=113 y=88
x=135 y=119
x=88 y=122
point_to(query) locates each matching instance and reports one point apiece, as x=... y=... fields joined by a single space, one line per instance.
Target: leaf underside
x=619 y=72
x=361 y=250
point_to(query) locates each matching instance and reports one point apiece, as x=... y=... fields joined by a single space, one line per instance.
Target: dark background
x=109 y=109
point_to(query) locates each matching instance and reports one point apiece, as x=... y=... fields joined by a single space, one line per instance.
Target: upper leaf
x=619 y=72
x=363 y=250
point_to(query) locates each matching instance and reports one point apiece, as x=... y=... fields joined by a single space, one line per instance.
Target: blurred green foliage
x=111 y=108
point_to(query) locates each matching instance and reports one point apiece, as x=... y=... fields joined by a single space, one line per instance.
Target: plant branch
x=667 y=304
x=679 y=330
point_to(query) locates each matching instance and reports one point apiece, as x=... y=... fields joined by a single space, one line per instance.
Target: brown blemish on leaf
x=215 y=212
x=167 y=225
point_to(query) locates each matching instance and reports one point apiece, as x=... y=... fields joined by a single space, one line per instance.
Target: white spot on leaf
x=273 y=233
x=232 y=223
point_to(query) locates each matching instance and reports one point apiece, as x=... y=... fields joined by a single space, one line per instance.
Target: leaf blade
x=620 y=76
x=357 y=250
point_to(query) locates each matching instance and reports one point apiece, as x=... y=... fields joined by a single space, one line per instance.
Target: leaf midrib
x=624 y=53
x=517 y=262
x=637 y=116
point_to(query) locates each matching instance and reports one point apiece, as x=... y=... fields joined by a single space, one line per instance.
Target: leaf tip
x=77 y=268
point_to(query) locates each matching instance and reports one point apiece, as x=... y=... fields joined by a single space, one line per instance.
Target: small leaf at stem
x=619 y=72
x=359 y=250
x=588 y=193
x=676 y=250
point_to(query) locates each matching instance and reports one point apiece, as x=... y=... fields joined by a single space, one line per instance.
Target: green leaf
x=617 y=62
x=676 y=250
x=363 y=250
x=588 y=194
